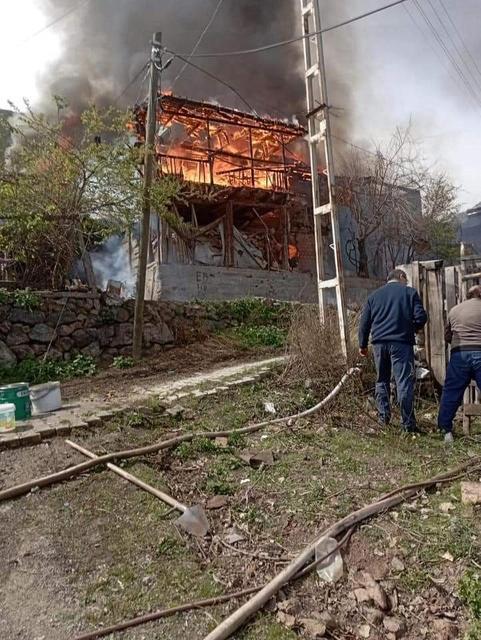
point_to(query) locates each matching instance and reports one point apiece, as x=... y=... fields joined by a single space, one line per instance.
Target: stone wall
x=69 y=324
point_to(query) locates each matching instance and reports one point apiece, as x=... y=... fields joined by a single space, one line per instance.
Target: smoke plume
x=106 y=43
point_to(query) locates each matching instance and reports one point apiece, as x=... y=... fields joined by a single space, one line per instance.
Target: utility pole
x=319 y=127
x=149 y=159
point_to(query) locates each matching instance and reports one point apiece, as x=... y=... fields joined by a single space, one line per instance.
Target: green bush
x=470 y=594
x=123 y=362
x=252 y=311
x=262 y=336
x=39 y=371
x=23 y=298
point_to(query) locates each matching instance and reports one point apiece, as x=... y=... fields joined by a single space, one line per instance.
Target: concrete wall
x=180 y=282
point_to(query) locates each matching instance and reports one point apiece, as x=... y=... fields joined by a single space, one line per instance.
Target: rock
x=7 y=357
x=62 y=317
x=26 y=317
x=397 y=564
x=5 y=327
x=374 y=616
x=81 y=338
x=313 y=628
x=105 y=334
x=123 y=335
x=42 y=333
x=364 y=631
x=233 y=537
x=55 y=354
x=67 y=329
x=177 y=411
x=445 y=630
x=286 y=619
x=16 y=335
x=122 y=315
x=361 y=595
x=217 y=502
x=39 y=349
x=365 y=579
x=257 y=458
x=448 y=556
x=378 y=596
x=92 y=350
x=471 y=492
x=395 y=626
x=23 y=351
x=158 y=334
x=64 y=344
x=222 y=442
x=328 y=619
x=446 y=507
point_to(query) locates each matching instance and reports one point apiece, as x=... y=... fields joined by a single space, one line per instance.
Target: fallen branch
x=199 y=604
x=66 y=474
x=241 y=615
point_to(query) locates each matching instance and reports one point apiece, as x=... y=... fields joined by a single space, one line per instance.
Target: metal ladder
x=319 y=132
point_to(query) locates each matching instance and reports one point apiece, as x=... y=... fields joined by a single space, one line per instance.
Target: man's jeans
x=395 y=358
x=463 y=367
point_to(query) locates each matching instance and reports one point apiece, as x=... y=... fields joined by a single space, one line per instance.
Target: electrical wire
x=216 y=78
x=201 y=37
x=475 y=80
x=283 y=43
x=56 y=20
x=131 y=82
x=460 y=37
x=446 y=51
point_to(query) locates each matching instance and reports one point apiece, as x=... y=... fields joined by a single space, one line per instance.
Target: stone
x=67 y=329
x=123 y=335
x=361 y=595
x=46 y=430
x=92 y=350
x=122 y=315
x=313 y=628
x=378 y=596
x=446 y=507
x=7 y=357
x=374 y=616
x=42 y=333
x=81 y=338
x=64 y=344
x=29 y=438
x=17 y=335
x=471 y=492
x=445 y=630
x=364 y=631
x=395 y=626
x=39 y=349
x=217 y=502
x=61 y=317
x=397 y=564
x=159 y=334
x=286 y=619
x=23 y=351
x=5 y=327
x=105 y=334
x=24 y=316
x=55 y=354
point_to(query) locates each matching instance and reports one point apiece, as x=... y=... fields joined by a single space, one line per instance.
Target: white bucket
x=7 y=417
x=45 y=397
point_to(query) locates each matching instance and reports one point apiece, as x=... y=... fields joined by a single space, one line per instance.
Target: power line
x=296 y=39
x=436 y=51
x=201 y=37
x=461 y=39
x=447 y=52
x=131 y=82
x=454 y=44
x=56 y=20
x=214 y=77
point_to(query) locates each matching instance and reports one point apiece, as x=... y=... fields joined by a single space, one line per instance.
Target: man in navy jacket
x=392 y=316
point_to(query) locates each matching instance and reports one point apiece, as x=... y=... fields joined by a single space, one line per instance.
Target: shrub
x=123 y=362
x=39 y=371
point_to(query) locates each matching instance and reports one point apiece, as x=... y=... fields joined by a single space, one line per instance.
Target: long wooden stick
x=70 y=472
x=231 y=624
x=198 y=604
x=133 y=479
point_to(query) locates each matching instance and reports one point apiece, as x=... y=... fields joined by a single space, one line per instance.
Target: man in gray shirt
x=463 y=333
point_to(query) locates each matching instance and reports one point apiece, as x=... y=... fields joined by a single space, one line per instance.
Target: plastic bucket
x=19 y=395
x=7 y=417
x=45 y=397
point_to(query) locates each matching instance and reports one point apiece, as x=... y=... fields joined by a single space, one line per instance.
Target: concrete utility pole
x=320 y=132
x=149 y=159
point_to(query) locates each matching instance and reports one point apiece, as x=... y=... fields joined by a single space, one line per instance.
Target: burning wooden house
x=244 y=224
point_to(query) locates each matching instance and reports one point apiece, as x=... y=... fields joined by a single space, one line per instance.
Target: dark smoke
x=106 y=42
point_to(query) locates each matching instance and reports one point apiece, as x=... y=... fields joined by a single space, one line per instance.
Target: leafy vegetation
x=251 y=337
x=123 y=362
x=23 y=298
x=470 y=594
x=70 y=178
x=39 y=371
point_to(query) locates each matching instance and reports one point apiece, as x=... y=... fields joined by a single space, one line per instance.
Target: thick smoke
x=106 y=43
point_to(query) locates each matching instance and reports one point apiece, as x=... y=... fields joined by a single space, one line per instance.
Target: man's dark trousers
x=395 y=358
x=463 y=367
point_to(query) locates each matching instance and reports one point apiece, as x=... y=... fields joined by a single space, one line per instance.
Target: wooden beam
x=229 y=236
x=285 y=237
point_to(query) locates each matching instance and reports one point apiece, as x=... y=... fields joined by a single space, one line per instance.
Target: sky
x=393 y=71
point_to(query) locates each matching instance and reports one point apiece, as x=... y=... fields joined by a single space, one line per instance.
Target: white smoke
x=111 y=262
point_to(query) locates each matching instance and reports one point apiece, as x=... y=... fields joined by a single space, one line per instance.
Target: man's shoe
x=448 y=438
x=414 y=430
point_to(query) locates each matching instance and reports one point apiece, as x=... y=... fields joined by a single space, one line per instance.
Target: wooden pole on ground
x=149 y=157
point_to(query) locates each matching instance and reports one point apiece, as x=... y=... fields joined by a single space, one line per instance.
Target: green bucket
x=19 y=395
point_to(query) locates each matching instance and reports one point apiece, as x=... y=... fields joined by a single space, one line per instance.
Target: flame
x=203 y=143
